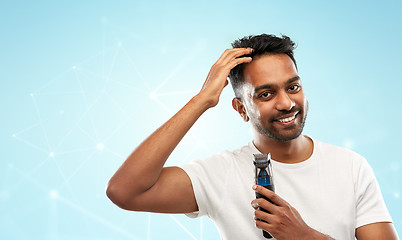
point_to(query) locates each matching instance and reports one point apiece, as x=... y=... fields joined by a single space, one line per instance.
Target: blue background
x=84 y=82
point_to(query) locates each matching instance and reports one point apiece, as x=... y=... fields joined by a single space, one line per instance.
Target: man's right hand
x=217 y=76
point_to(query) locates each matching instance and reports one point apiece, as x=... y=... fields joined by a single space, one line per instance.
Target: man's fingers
x=262 y=203
x=263 y=220
x=238 y=61
x=236 y=54
x=270 y=195
x=262 y=225
x=242 y=51
x=230 y=54
x=260 y=215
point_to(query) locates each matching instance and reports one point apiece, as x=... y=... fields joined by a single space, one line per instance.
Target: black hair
x=262 y=44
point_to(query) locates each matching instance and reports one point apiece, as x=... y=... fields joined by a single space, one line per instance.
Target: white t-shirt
x=335 y=191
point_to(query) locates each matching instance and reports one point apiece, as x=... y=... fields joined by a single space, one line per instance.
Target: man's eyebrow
x=293 y=79
x=265 y=86
x=268 y=86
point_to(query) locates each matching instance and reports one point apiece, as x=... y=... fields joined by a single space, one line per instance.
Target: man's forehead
x=275 y=69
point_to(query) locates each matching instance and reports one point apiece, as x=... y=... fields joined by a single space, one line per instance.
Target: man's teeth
x=287 y=119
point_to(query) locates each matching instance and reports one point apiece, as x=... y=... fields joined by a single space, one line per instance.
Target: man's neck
x=293 y=151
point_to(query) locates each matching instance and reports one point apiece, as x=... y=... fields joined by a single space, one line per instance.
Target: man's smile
x=288 y=119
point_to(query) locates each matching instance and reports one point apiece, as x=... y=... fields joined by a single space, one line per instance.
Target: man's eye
x=265 y=95
x=294 y=88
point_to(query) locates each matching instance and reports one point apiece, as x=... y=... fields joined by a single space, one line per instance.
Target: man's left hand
x=283 y=221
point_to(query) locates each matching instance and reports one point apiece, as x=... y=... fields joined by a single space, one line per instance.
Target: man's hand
x=283 y=221
x=217 y=76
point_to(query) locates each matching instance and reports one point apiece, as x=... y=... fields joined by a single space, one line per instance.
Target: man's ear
x=237 y=105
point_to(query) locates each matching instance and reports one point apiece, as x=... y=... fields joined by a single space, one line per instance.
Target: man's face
x=273 y=97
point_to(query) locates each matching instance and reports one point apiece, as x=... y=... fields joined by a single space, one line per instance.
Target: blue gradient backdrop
x=84 y=82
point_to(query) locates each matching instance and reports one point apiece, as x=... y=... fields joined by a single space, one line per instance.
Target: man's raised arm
x=142 y=183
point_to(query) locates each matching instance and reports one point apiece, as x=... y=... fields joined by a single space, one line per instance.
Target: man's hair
x=262 y=44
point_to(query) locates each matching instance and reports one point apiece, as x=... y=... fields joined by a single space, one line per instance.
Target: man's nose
x=284 y=102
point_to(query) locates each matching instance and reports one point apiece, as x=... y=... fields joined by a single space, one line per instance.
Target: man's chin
x=286 y=138
x=281 y=137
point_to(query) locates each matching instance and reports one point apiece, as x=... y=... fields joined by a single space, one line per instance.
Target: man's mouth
x=288 y=119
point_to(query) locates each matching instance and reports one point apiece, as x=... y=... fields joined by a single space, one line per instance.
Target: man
x=322 y=191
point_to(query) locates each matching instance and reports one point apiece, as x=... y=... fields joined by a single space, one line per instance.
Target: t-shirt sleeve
x=370 y=205
x=208 y=180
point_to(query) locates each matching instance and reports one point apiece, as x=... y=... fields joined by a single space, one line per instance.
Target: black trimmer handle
x=259 y=195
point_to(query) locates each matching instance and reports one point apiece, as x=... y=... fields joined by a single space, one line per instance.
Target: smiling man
x=321 y=191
